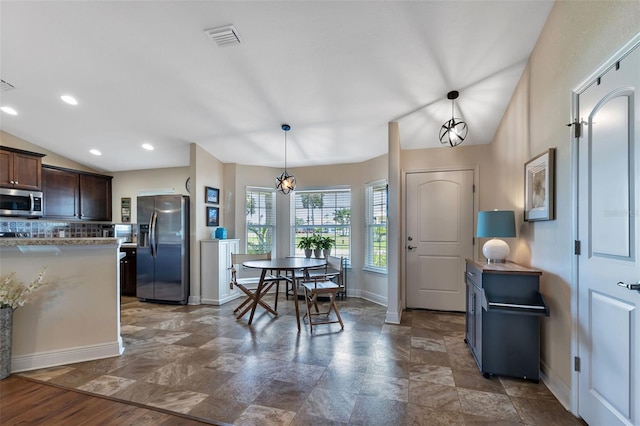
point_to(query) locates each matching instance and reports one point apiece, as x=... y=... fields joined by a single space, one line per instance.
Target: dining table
x=282 y=265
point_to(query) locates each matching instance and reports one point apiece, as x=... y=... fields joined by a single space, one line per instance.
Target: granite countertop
x=12 y=242
x=129 y=245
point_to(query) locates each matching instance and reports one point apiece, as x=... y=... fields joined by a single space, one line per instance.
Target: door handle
x=411 y=247
x=635 y=286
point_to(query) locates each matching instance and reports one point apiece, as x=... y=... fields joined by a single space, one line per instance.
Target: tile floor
x=201 y=361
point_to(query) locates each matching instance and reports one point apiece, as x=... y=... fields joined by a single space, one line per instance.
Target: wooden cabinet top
x=21 y=151
x=503 y=268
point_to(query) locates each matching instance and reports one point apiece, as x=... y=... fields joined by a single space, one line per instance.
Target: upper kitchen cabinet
x=20 y=169
x=95 y=197
x=71 y=194
x=61 y=192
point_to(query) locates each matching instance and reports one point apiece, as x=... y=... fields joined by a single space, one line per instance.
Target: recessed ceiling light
x=9 y=110
x=95 y=152
x=147 y=146
x=69 y=99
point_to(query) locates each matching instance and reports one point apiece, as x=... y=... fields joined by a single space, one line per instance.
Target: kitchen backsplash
x=42 y=229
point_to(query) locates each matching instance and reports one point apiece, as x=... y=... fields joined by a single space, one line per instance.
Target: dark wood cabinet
x=95 y=197
x=61 y=193
x=20 y=169
x=128 y=272
x=71 y=194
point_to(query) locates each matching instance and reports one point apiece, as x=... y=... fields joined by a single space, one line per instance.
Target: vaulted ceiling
x=336 y=71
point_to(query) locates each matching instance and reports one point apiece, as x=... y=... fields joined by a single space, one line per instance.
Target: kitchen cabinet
x=504 y=307
x=71 y=194
x=128 y=272
x=215 y=271
x=20 y=169
x=95 y=197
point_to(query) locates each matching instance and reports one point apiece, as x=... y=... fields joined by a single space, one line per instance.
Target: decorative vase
x=317 y=253
x=307 y=253
x=6 y=325
x=326 y=253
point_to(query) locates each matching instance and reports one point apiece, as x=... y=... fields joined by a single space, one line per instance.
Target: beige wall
x=576 y=39
x=50 y=158
x=131 y=183
x=205 y=170
x=76 y=315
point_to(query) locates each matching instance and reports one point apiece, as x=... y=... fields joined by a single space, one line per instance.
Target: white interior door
x=609 y=231
x=439 y=233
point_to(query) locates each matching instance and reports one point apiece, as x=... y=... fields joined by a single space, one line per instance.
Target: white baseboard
x=371 y=297
x=193 y=300
x=219 y=302
x=555 y=385
x=66 y=356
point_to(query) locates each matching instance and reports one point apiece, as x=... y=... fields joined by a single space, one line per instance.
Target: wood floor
x=24 y=402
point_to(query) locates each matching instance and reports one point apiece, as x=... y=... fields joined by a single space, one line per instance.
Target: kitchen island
x=75 y=317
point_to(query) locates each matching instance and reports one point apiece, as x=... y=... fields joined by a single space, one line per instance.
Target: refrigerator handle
x=152 y=231
x=155 y=232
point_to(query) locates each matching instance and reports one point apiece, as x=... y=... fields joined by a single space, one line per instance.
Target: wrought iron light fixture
x=454 y=131
x=285 y=182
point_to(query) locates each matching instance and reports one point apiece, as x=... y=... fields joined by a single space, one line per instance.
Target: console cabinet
x=20 y=169
x=71 y=194
x=215 y=271
x=504 y=306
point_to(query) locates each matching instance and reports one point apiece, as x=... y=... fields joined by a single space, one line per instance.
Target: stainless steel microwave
x=18 y=202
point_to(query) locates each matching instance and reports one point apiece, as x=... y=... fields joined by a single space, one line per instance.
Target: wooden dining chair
x=322 y=285
x=249 y=285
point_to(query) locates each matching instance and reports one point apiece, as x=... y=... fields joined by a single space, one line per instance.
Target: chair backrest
x=238 y=258
x=337 y=263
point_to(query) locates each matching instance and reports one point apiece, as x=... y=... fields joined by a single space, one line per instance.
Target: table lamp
x=496 y=224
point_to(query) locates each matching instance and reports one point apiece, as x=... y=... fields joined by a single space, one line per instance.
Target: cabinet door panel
x=26 y=171
x=61 y=193
x=6 y=169
x=95 y=197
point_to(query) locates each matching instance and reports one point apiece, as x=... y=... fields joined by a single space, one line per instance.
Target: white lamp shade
x=496 y=250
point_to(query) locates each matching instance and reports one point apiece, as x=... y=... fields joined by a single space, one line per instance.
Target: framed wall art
x=539 y=191
x=213 y=216
x=211 y=195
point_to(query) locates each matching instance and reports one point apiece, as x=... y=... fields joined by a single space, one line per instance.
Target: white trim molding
x=66 y=356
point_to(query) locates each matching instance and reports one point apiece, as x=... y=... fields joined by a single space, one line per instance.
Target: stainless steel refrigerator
x=163 y=248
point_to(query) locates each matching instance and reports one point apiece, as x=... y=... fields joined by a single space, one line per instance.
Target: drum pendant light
x=285 y=183
x=454 y=131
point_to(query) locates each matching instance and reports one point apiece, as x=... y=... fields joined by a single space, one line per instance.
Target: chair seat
x=254 y=281
x=320 y=286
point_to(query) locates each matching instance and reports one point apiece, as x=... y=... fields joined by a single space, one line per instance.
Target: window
x=260 y=209
x=327 y=213
x=375 y=251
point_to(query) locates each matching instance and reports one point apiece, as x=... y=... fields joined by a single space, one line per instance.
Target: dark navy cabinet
x=504 y=306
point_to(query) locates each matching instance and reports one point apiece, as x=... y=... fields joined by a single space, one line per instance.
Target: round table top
x=286 y=263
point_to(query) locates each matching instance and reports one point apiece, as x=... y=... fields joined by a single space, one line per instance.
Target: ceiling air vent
x=224 y=36
x=6 y=86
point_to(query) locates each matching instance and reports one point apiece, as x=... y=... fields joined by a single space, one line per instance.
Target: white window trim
x=274 y=213
x=368 y=193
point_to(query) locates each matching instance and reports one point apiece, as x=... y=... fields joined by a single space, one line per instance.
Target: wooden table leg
x=257 y=296
x=295 y=296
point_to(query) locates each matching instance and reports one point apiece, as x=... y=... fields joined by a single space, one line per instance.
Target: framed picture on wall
x=539 y=181
x=211 y=195
x=213 y=216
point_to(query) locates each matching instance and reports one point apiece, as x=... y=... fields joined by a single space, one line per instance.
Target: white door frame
x=476 y=195
x=610 y=62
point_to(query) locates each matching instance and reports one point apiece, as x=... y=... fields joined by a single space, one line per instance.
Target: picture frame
x=213 y=216
x=539 y=191
x=211 y=195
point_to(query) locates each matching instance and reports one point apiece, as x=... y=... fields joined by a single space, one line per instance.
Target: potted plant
x=306 y=244
x=318 y=244
x=327 y=244
x=13 y=294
